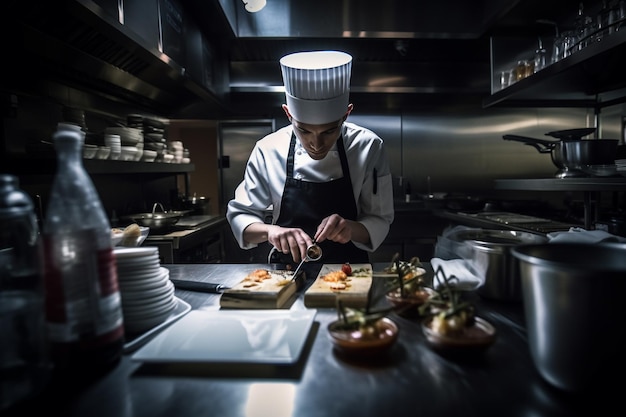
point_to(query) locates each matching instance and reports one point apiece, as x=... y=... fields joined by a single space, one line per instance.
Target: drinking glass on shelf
x=540 y=57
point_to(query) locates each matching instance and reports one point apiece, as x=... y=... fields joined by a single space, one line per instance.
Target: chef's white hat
x=317 y=85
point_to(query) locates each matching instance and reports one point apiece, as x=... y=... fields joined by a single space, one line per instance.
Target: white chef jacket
x=264 y=181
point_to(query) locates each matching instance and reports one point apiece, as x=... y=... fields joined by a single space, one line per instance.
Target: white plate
x=140 y=294
x=135 y=313
x=147 y=284
x=145 y=273
x=139 y=262
x=233 y=336
x=134 y=342
x=136 y=298
x=125 y=253
x=139 y=325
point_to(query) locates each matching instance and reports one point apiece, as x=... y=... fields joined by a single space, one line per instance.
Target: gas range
x=515 y=221
x=193 y=239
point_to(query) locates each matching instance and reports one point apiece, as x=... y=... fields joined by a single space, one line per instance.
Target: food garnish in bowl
x=361 y=332
x=452 y=326
x=408 y=291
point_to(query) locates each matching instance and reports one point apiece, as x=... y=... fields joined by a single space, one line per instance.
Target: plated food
x=332 y=283
x=452 y=326
x=458 y=337
x=370 y=338
x=260 y=288
x=406 y=288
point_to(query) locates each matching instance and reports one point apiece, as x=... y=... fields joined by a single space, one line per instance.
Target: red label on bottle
x=82 y=295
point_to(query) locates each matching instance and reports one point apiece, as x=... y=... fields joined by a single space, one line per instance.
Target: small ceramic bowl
x=118 y=238
x=128 y=153
x=103 y=152
x=148 y=155
x=472 y=339
x=377 y=339
x=408 y=304
x=89 y=151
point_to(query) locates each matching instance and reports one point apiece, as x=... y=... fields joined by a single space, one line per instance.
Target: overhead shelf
x=46 y=166
x=591 y=77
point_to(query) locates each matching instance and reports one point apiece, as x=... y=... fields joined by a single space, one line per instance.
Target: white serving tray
x=231 y=336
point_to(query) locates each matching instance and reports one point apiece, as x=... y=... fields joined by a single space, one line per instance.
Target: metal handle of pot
x=543 y=146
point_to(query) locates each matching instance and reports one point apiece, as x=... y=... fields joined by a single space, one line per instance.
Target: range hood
x=406 y=53
x=82 y=44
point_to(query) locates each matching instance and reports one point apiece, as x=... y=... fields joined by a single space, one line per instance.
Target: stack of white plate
x=621 y=166
x=147 y=293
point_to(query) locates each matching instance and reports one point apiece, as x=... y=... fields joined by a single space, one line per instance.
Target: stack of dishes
x=146 y=291
x=115 y=143
x=154 y=137
x=130 y=137
x=621 y=166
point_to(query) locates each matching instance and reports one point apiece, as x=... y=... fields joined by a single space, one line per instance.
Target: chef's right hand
x=288 y=240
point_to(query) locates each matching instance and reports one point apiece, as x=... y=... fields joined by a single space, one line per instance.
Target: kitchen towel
x=580 y=235
x=465 y=276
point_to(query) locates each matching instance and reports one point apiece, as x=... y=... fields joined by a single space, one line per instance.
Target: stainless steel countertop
x=411 y=380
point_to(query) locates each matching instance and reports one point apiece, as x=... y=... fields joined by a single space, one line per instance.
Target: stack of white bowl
x=146 y=291
x=176 y=148
x=115 y=143
x=131 y=139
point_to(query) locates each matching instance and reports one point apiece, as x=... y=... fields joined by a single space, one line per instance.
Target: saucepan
x=155 y=220
x=572 y=157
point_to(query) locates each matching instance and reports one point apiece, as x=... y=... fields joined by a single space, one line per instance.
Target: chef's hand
x=338 y=229
x=289 y=240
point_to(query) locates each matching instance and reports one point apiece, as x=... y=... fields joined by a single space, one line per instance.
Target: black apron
x=304 y=205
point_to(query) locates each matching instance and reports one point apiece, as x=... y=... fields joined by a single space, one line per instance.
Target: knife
x=199 y=286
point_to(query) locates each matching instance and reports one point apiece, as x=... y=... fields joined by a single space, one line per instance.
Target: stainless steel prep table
x=411 y=380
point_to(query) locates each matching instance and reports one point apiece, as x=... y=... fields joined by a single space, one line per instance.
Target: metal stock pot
x=489 y=253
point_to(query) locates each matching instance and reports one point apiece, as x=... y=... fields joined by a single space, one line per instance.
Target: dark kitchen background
x=426 y=77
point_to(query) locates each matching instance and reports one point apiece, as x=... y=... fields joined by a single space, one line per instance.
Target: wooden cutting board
x=252 y=293
x=320 y=293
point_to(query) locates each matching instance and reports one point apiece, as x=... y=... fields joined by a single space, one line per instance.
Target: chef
x=326 y=180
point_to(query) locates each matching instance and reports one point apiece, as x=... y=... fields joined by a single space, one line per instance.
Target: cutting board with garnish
x=325 y=291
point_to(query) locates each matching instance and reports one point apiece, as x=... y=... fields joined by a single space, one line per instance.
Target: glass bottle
x=24 y=364
x=83 y=303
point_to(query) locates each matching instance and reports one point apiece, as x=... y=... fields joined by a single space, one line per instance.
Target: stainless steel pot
x=197 y=205
x=489 y=251
x=580 y=154
x=572 y=296
x=573 y=157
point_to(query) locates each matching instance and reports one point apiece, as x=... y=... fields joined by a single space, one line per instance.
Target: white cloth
x=466 y=276
x=264 y=181
x=580 y=235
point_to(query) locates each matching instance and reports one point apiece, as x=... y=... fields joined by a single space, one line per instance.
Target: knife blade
x=199 y=286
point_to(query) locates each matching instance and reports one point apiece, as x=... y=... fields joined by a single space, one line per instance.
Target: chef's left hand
x=335 y=228
x=338 y=229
